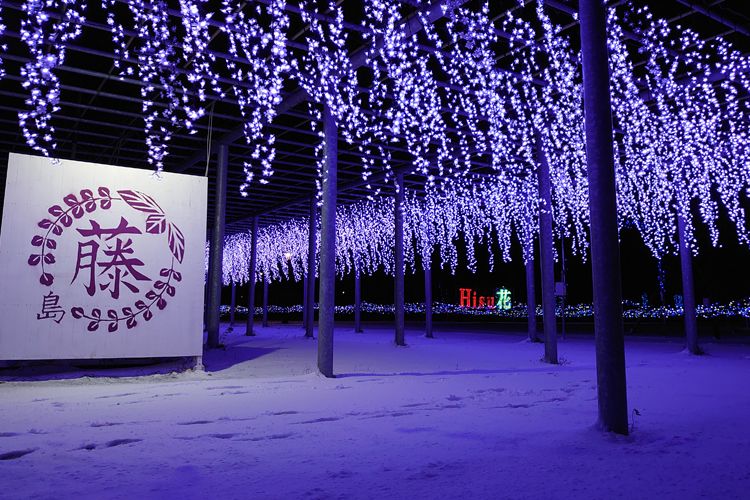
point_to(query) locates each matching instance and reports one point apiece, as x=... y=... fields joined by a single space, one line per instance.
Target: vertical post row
x=304 y=302
x=398 y=272
x=531 y=299
x=328 y=247
x=251 y=278
x=688 y=290
x=547 y=257
x=357 y=302
x=428 y=301
x=312 y=251
x=265 y=301
x=216 y=247
x=232 y=305
x=605 y=250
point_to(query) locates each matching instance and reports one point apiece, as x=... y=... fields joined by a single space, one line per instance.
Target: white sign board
x=99 y=261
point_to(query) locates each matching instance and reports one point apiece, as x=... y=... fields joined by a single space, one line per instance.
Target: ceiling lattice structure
x=101 y=117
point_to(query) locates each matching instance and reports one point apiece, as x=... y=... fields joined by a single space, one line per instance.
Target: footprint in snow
x=318 y=420
x=228 y=435
x=110 y=444
x=272 y=436
x=105 y=424
x=414 y=405
x=12 y=455
x=124 y=394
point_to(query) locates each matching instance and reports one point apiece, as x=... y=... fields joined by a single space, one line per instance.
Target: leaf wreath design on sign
x=107 y=253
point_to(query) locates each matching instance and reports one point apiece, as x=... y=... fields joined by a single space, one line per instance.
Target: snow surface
x=460 y=416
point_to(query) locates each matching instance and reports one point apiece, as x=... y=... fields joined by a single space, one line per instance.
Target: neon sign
x=469 y=298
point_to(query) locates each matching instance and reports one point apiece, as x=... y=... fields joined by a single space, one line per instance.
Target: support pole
x=605 y=251
x=265 y=301
x=304 y=302
x=547 y=259
x=357 y=302
x=531 y=299
x=328 y=247
x=398 y=271
x=565 y=286
x=312 y=250
x=688 y=290
x=428 y=301
x=232 y=306
x=251 y=278
x=216 y=248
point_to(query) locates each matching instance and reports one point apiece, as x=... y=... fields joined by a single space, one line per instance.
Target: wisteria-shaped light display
x=404 y=98
x=490 y=95
x=3 y=46
x=550 y=119
x=327 y=75
x=683 y=132
x=258 y=66
x=46 y=29
x=155 y=58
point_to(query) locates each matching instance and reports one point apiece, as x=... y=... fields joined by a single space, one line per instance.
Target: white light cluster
x=46 y=29
x=326 y=73
x=3 y=46
x=683 y=146
x=404 y=99
x=258 y=66
x=154 y=56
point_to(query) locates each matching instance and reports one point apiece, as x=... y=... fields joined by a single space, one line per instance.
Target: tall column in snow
x=265 y=300
x=304 y=302
x=428 y=301
x=688 y=290
x=312 y=250
x=328 y=247
x=531 y=300
x=357 y=302
x=547 y=257
x=232 y=306
x=216 y=247
x=251 y=278
x=605 y=250
x=398 y=271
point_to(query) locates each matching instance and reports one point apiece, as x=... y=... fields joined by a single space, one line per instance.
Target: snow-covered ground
x=461 y=416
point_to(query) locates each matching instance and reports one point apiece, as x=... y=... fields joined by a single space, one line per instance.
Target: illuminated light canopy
x=154 y=57
x=258 y=66
x=46 y=29
x=3 y=47
x=683 y=141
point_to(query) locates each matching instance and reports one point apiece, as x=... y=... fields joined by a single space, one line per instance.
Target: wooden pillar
x=428 y=301
x=547 y=257
x=265 y=301
x=249 y=331
x=605 y=250
x=232 y=306
x=688 y=290
x=312 y=251
x=328 y=247
x=216 y=247
x=304 y=302
x=531 y=299
x=398 y=272
x=357 y=303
